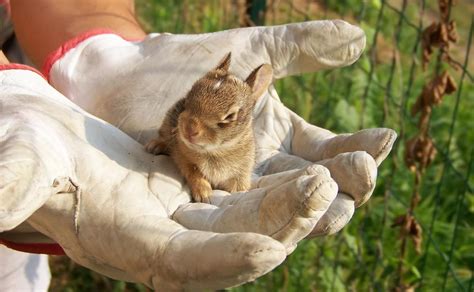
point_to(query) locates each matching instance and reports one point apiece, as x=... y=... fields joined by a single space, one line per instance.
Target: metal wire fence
x=415 y=77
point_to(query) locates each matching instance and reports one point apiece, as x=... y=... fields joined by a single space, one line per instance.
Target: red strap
x=44 y=248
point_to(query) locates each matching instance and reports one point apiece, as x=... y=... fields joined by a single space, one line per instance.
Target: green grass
x=366 y=254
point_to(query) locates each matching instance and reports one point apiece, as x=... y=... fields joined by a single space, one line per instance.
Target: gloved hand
x=133 y=84
x=91 y=188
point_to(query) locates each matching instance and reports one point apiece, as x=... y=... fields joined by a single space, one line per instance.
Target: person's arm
x=44 y=25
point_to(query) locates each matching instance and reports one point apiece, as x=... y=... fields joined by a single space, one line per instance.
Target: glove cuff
x=15 y=66
x=71 y=44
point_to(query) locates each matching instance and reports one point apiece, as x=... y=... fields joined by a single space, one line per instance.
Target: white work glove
x=88 y=186
x=133 y=84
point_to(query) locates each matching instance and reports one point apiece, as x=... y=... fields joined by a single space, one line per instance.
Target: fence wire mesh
x=416 y=231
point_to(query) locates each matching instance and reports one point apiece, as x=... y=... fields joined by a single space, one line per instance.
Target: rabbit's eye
x=230 y=117
x=227 y=120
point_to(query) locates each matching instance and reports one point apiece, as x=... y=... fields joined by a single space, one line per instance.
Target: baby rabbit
x=209 y=132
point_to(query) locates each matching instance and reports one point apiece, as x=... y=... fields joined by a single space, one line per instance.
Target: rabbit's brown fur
x=209 y=133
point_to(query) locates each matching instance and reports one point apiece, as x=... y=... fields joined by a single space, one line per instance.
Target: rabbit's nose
x=192 y=132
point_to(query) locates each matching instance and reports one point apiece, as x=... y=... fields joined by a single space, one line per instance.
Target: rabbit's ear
x=224 y=64
x=260 y=79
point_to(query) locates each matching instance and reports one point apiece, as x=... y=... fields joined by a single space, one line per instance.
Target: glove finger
x=276 y=179
x=208 y=261
x=336 y=217
x=291 y=49
x=278 y=128
x=354 y=172
x=310 y=145
x=306 y=47
x=287 y=213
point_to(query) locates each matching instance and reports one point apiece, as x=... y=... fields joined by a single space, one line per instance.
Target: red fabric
x=14 y=66
x=71 y=44
x=44 y=248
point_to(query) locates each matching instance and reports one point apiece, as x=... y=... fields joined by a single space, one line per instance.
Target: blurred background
x=416 y=76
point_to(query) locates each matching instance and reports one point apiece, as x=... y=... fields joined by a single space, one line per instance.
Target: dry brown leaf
x=411 y=228
x=439 y=34
x=444 y=9
x=429 y=38
x=453 y=32
x=416 y=234
x=434 y=91
x=419 y=150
